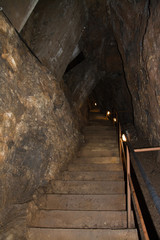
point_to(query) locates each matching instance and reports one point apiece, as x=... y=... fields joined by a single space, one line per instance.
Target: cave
x=60 y=60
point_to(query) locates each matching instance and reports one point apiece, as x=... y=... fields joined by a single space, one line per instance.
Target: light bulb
x=124 y=138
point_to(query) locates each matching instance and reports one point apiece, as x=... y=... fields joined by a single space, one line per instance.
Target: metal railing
x=125 y=157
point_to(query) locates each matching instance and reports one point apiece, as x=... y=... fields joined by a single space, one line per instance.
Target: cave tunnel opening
x=58 y=58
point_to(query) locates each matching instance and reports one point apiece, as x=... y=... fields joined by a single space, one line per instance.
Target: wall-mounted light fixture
x=124 y=139
x=95 y=104
x=108 y=113
x=114 y=120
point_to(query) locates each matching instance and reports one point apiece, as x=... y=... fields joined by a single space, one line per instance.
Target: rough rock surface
x=38 y=133
x=19 y=12
x=99 y=44
x=53 y=31
x=81 y=80
x=136 y=29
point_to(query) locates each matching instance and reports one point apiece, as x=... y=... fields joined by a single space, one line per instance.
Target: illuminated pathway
x=88 y=200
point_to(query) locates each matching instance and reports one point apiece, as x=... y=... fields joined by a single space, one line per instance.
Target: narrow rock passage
x=88 y=200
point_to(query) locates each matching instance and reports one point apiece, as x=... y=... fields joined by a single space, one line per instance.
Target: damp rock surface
x=38 y=133
x=137 y=36
x=53 y=31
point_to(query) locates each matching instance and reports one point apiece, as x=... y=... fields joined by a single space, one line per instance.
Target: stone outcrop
x=19 y=12
x=53 y=31
x=38 y=133
x=138 y=41
x=81 y=80
x=100 y=45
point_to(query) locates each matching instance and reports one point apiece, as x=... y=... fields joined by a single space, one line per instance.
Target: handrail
x=130 y=186
x=151 y=189
x=138 y=210
x=147 y=149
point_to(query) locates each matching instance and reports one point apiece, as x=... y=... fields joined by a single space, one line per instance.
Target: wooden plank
x=90 y=176
x=87 y=187
x=79 y=234
x=83 y=202
x=81 y=219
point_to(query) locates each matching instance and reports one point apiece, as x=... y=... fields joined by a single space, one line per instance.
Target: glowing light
x=124 y=138
x=114 y=120
x=95 y=104
x=108 y=113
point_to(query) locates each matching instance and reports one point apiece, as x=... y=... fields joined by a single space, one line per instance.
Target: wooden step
x=96 y=129
x=97 y=153
x=80 y=219
x=96 y=139
x=87 y=187
x=106 y=140
x=108 y=149
x=95 y=167
x=99 y=127
x=109 y=132
x=82 y=234
x=101 y=144
x=111 y=135
x=90 y=176
x=83 y=202
x=98 y=143
x=97 y=160
x=100 y=124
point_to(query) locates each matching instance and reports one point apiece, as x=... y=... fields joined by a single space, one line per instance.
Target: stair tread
x=108 y=133
x=101 y=137
x=97 y=142
x=79 y=234
x=97 y=160
x=83 y=202
x=103 y=146
x=95 y=167
x=81 y=219
x=97 y=153
x=93 y=175
x=88 y=187
x=103 y=149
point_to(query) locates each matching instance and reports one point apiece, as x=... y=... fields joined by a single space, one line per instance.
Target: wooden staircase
x=88 y=201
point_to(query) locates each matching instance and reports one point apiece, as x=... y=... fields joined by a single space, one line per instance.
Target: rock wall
x=136 y=29
x=99 y=45
x=38 y=133
x=19 y=12
x=53 y=31
x=81 y=80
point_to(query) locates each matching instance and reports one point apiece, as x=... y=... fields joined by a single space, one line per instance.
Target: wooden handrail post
x=120 y=143
x=126 y=157
x=128 y=190
x=139 y=211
